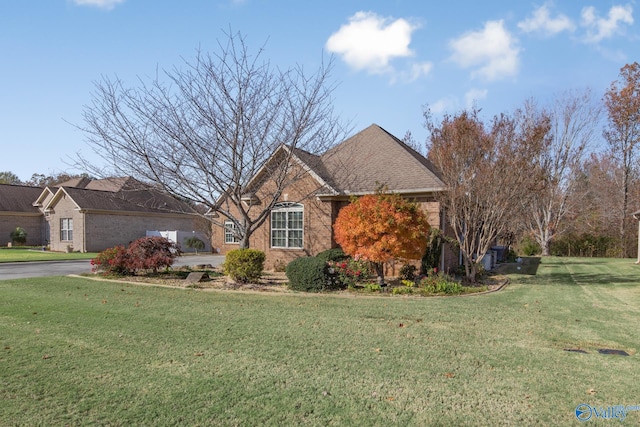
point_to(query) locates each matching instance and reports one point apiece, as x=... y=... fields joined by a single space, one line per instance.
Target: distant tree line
x=38 y=179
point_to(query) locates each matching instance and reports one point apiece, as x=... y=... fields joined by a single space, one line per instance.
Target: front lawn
x=20 y=254
x=75 y=351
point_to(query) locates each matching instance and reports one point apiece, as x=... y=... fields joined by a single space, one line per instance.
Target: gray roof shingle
x=126 y=201
x=18 y=198
x=374 y=157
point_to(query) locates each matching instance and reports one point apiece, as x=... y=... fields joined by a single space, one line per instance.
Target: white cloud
x=492 y=51
x=444 y=105
x=473 y=96
x=602 y=28
x=419 y=70
x=369 y=42
x=104 y=4
x=542 y=22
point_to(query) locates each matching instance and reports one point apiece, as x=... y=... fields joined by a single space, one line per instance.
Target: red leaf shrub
x=152 y=253
x=146 y=253
x=111 y=261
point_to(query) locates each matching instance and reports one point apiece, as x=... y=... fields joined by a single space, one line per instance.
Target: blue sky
x=391 y=57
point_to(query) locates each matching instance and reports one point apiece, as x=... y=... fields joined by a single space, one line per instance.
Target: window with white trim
x=229 y=232
x=287 y=225
x=66 y=229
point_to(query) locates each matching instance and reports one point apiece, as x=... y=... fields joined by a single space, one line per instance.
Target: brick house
x=91 y=215
x=300 y=224
x=17 y=210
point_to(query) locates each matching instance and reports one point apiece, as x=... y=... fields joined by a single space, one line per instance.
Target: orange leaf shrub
x=382 y=227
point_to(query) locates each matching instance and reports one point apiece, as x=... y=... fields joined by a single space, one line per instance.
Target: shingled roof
x=374 y=157
x=123 y=201
x=362 y=164
x=18 y=198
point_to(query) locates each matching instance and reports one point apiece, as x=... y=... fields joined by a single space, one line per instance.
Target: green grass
x=79 y=352
x=34 y=254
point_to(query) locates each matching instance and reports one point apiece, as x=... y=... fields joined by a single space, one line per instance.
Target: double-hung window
x=287 y=226
x=66 y=229
x=229 y=232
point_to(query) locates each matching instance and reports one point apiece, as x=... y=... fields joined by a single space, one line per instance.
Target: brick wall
x=65 y=208
x=96 y=231
x=32 y=224
x=105 y=230
x=317 y=219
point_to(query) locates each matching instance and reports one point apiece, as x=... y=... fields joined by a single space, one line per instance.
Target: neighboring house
x=92 y=215
x=301 y=223
x=17 y=210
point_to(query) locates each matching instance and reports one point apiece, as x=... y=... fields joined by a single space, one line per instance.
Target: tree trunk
x=379 y=268
x=545 y=247
x=244 y=241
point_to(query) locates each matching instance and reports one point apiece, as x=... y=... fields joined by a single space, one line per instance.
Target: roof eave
x=428 y=190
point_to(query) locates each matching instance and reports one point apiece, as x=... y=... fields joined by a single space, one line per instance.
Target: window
x=229 y=232
x=287 y=225
x=66 y=229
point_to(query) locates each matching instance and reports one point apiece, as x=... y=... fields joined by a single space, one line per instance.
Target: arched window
x=287 y=225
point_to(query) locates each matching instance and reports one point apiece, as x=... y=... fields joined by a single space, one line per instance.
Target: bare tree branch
x=202 y=132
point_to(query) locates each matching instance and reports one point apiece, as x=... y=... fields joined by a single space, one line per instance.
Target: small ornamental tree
x=113 y=260
x=152 y=253
x=194 y=243
x=146 y=253
x=19 y=236
x=380 y=228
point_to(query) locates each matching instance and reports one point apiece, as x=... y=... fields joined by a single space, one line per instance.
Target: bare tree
x=592 y=225
x=574 y=118
x=483 y=171
x=202 y=132
x=622 y=101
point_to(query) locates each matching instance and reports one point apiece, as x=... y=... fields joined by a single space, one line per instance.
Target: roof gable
x=310 y=163
x=374 y=158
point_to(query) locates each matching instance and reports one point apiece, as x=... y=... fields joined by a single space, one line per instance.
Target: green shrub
x=439 y=284
x=335 y=255
x=529 y=247
x=244 y=265
x=372 y=287
x=194 y=243
x=18 y=236
x=308 y=274
x=402 y=290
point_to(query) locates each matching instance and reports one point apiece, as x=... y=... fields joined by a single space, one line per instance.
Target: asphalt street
x=23 y=270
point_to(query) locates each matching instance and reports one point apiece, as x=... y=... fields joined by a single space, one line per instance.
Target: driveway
x=23 y=270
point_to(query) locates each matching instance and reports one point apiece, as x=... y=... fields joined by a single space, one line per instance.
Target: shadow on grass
x=575 y=271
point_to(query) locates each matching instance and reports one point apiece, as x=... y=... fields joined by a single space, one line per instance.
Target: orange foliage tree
x=380 y=228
